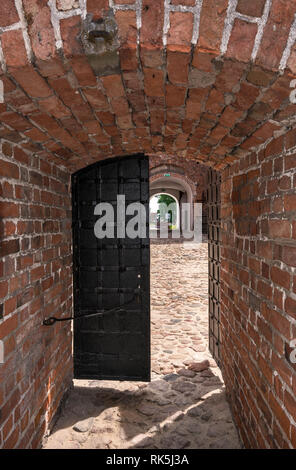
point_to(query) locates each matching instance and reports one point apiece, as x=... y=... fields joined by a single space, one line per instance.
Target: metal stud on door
x=111 y=275
x=214 y=227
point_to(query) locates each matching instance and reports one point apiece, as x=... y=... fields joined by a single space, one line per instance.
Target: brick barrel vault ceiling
x=206 y=81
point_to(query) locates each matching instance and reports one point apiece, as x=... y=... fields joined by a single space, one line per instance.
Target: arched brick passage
x=203 y=81
x=183 y=180
x=187 y=173
x=206 y=94
x=179 y=186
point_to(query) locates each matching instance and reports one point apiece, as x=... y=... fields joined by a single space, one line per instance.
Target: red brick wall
x=202 y=83
x=35 y=282
x=258 y=293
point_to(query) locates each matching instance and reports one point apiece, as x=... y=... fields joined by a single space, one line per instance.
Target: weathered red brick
x=203 y=60
x=290 y=202
x=9 y=170
x=36 y=135
x=98 y=8
x=151 y=56
x=153 y=82
x=14 y=48
x=177 y=64
x=290 y=402
x=181 y=27
x=96 y=98
x=276 y=33
x=50 y=68
x=127 y=26
x=212 y=24
x=152 y=22
x=15 y=120
x=230 y=116
x=128 y=57
x=280 y=277
x=246 y=96
x=215 y=102
x=265 y=132
x=54 y=106
x=40 y=29
x=288 y=255
x=113 y=86
x=11 y=246
x=279 y=228
x=83 y=71
x=290 y=162
x=8 y=13
x=188 y=3
x=254 y=8
x=290 y=139
x=230 y=75
x=241 y=41
x=175 y=96
x=70 y=31
x=32 y=82
x=65 y=91
x=274 y=147
x=9 y=209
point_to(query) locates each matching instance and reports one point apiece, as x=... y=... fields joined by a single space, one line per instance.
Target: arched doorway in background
x=164 y=207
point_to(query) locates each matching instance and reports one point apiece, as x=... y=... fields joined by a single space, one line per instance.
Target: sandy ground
x=179 y=408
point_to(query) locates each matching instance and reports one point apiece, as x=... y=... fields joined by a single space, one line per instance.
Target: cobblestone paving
x=180 y=408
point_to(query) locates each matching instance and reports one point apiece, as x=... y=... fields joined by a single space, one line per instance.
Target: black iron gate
x=111 y=273
x=214 y=227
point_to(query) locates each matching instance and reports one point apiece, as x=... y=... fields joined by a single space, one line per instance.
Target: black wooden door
x=111 y=273
x=214 y=227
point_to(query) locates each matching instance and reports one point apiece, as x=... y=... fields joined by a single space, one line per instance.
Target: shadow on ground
x=173 y=412
x=179 y=408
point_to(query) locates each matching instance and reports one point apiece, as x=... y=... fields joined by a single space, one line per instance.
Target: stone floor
x=179 y=408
